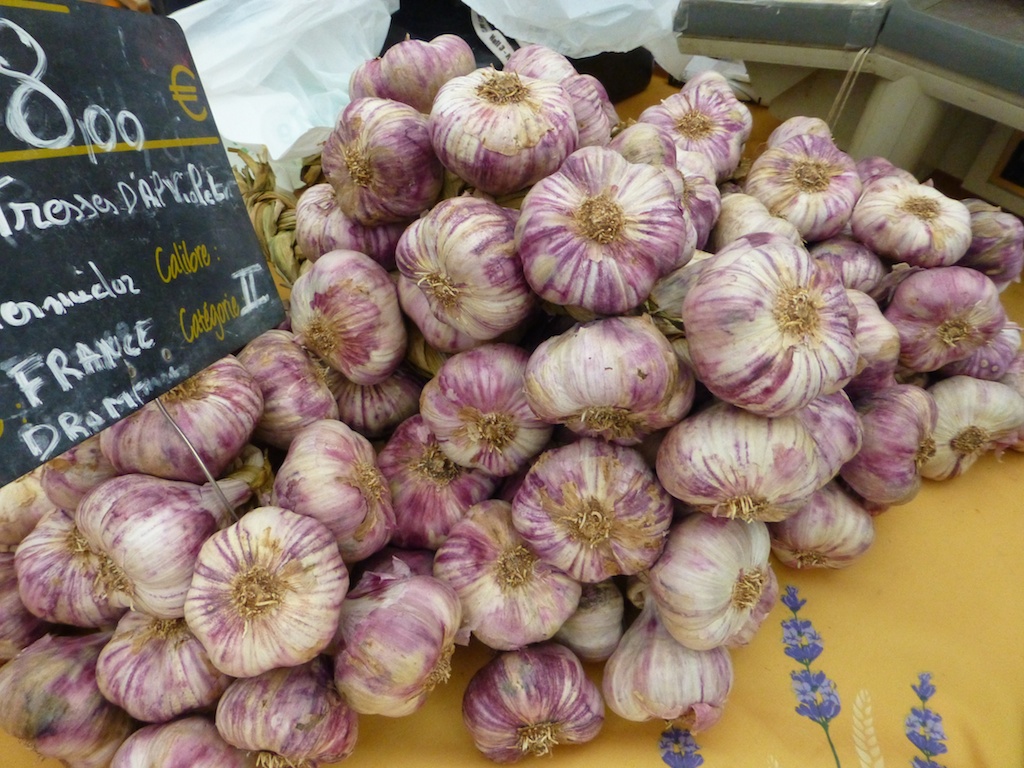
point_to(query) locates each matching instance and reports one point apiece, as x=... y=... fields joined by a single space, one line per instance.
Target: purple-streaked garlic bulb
x=23 y=502
x=594 y=509
x=599 y=231
x=710 y=578
x=156 y=669
x=943 y=314
x=878 y=345
x=266 y=592
x=411 y=71
x=530 y=702
x=398 y=634
x=442 y=337
x=510 y=597
x=148 y=531
x=54 y=705
x=913 y=223
x=68 y=477
x=501 y=131
x=616 y=378
x=462 y=257
x=330 y=474
x=857 y=265
x=217 y=410
x=833 y=530
x=875 y=166
x=540 y=61
x=651 y=676
x=833 y=422
x=478 y=411
x=975 y=417
x=60 y=577
x=379 y=159
x=297 y=387
x=997 y=243
x=429 y=491
x=765 y=603
x=646 y=143
x=702 y=198
x=1014 y=378
x=730 y=463
x=345 y=310
x=991 y=360
x=289 y=716
x=665 y=302
x=374 y=410
x=189 y=742
x=741 y=215
x=800 y=125
x=596 y=626
x=768 y=329
x=19 y=627
x=808 y=181
x=595 y=113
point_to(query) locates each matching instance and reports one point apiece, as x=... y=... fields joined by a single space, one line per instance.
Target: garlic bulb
x=330 y=473
x=411 y=71
x=765 y=603
x=651 y=676
x=1014 y=378
x=741 y=215
x=429 y=491
x=374 y=410
x=991 y=360
x=478 y=412
x=53 y=703
x=502 y=131
x=975 y=417
x=833 y=530
x=808 y=181
x=67 y=478
x=345 y=309
x=23 y=502
x=835 y=425
x=710 y=578
x=540 y=61
x=594 y=629
x=665 y=302
x=297 y=388
x=943 y=314
x=858 y=267
x=730 y=463
x=800 y=125
x=19 y=627
x=156 y=669
x=530 y=701
x=266 y=592
x=874 y=166
x=702 y=199
x=216 y=409
x=594 y=111
x=593 y=509
x=398 y=635
x=913 y=223
x=599 y=231
x=647 y=143
x=291 y=716
x=379 y=159
x=767 y=329
x=190 y=742
x=617 y=378
x=462 y=257
x=878 y=347
x=435 y=334
x=997 y=243
x=510 y=598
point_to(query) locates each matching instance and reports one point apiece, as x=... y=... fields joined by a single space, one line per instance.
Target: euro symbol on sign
x=184 y=93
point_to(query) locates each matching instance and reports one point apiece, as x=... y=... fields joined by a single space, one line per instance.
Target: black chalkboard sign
x=127 y=258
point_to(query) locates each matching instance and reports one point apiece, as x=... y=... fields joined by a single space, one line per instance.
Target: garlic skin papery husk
x=710 y=578
x=426 y=329
x=800 y=125
x=478 y=412
x=429 y=491
x=596 y=626
x=741 y=215
x=292 y=716
x=594 y=111
x=878 y=345
x=540 y=61
x=768 y=329
x=23 y=503
x=600 y=230
x=148 y=532
x=664 y=304
x=617 y=378
x=19 y=627
x=997 y=243
x=411 y=71
x=904 y=221
x=510 y=598
x=808 y=181
x=651 y=676
x=859 y=268
x=374 y=410
x=594 y=509
x=702 y=198
x=875 y=166
x=216 y=409
x=647 y=143
x=190 y=742
x=398 y=635
x=266 y=592
x=833 y=530
x=975 y=417
x=530 y=701
x=156 y=669
x=330 y=474
x=502 y=131
x=462 y=256
x=943 y=314
x=379 y=159
x=345 y=310
x=833 y=422
x=60 y=577
x=67 y=478
x=991 y=360
x=297 y=387
x=53 y=703
x=727 y=462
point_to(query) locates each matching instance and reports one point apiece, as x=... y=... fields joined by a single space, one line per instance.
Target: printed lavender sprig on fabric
x=924 y=726
x=679 y=749
x=817 y=698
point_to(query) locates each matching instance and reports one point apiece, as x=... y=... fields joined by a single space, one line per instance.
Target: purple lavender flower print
x=679 y=749
x=923 y=726
x=803 y=643
x=817 y=695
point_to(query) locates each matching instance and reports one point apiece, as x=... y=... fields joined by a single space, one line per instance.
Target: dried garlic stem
x=747 y=508
x=435 y=466
x=953 y=331
x=695 y=125
x=256 y=591
x=495 y=430
x=442 y=671
x=616 y=423
x=514 y=567
x=969 y=441
x=924 y=208
x=502 y=88
x=274 y=760
x=747 y=589
x=590 y=521
x=796 y=311
x=537 y=738
x=600 y=218
x=808 y=559
x=319 y=335
x=358 y=166
x=925 y=451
